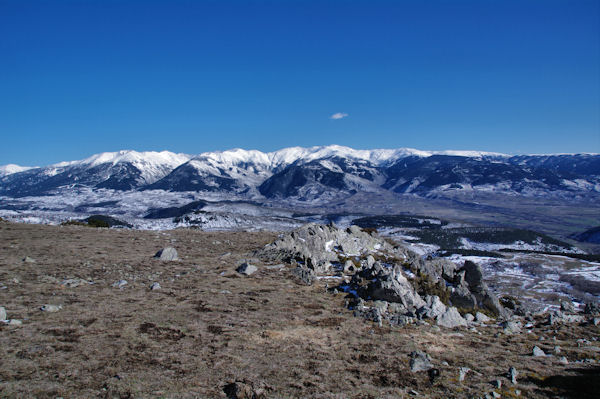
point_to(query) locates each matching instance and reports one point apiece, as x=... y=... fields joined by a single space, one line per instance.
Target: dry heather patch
x=208 y=327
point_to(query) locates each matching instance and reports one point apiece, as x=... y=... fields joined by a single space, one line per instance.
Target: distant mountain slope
x=123 y=170
x=9 y=169
x=317 y=173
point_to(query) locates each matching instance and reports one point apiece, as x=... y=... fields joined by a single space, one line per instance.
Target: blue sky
x=82 y=77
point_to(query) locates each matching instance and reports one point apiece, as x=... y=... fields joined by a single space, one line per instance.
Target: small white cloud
x=338 y=115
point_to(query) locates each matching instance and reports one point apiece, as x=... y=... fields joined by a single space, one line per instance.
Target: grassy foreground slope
x=208 y=326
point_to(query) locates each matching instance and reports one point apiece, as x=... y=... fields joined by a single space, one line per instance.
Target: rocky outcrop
x=317 y=246
x=385 y=282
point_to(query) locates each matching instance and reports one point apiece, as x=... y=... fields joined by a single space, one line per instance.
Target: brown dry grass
x=208 y=326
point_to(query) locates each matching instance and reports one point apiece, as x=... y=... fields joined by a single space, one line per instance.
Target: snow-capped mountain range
x=309 y=174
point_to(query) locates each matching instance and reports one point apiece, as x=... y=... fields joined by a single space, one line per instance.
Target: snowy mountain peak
x=9 y=169
x=134 y=157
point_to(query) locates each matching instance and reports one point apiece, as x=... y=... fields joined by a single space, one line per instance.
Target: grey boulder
x=451 y=318
x=420 y=361
x=246 y=269
x=537 y=352
x=50 y=308
x=167 y=254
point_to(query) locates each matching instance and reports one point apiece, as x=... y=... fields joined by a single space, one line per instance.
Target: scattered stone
x=244 y=389
x=537 y=352
x=563 y=360
x=155 y=286
x=2 y=313
x=462 y=373
x=497 y=384
x=568 y=306
x=51 y=308
x=119 y=284
x=511 y=327
x=481 y=318
x=246 y=269
x=72 y=282
x=451 y=318
x=14 y=322
x=469 y=317
x=27 y=259
x=167 y=254
x=512 y=374
x=279 y=266
x=560 y=317
x=596 y=321
x=556 y=350
x=420 y=361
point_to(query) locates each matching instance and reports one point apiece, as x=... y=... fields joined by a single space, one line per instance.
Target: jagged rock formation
x=386 y=282
x=316 y=246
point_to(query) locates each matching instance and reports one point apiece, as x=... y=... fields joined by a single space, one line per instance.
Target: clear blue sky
x=82 y=77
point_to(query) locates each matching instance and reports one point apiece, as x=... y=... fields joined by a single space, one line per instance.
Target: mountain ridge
x=313 y=173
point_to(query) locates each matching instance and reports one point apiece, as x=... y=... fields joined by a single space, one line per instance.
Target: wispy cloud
x=338 y=115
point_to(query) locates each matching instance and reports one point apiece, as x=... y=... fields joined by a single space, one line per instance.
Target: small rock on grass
x=246 y=269
x=512 y=374
x=120 y=284
x=511 y=327
x=451 y=318
x=28 y=259
x=563 y=360
x=537 y=352
x=155 y=286
x=50 y=308
x=462 y=373
x=167 y=254
x=481 y=318
x=2 y=313
x=420 y=361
